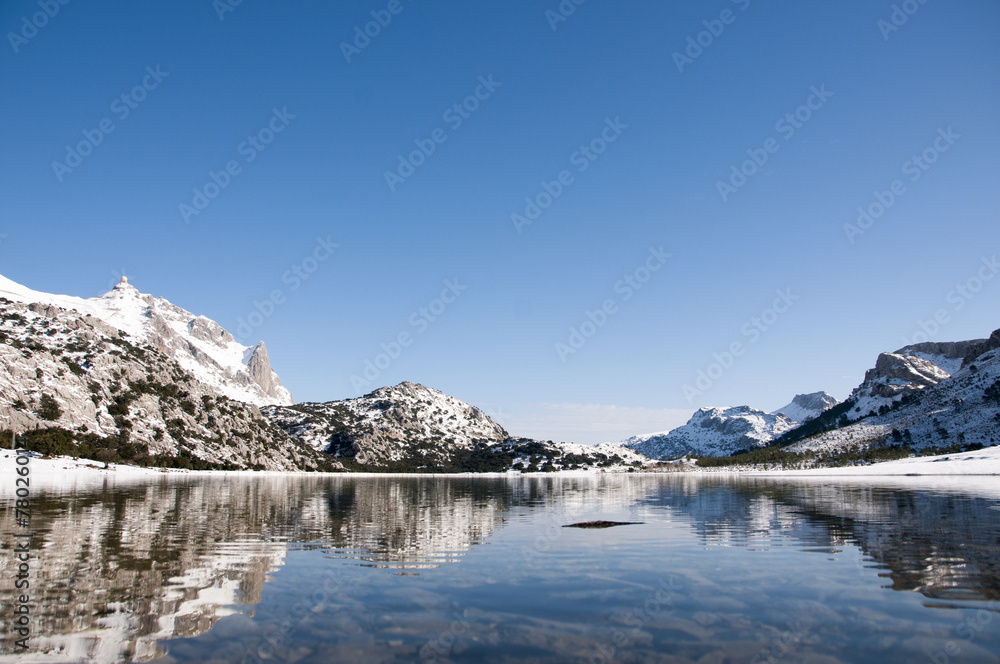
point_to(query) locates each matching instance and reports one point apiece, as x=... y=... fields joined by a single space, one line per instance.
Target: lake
x=480 y=569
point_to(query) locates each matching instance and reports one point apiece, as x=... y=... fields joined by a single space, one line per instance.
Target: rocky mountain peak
x=805 y=407
x=259 y=368
x=198 y=344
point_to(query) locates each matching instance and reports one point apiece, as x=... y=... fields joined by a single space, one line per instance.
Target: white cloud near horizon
x=585 y=423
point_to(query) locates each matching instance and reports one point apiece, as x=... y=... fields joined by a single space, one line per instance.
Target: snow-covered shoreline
x=68 y=473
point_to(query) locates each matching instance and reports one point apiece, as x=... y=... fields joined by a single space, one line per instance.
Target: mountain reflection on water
x=120 y=568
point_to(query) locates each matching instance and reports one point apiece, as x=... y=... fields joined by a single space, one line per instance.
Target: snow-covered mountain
x=410 y=426
x=805 y=407
x=200 y=345
x=929 y=395
x=910 y=370
x=381 y=425
x=128 y=377
x=723 y=431
x=714 y=432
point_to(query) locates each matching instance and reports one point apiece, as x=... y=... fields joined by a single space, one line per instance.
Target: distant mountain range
x=132 y=378
x=723 y=431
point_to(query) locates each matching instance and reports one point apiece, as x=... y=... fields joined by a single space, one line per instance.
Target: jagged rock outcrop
x=912 y=369
x=259 y=368
x=977 y=348
x=900 y=374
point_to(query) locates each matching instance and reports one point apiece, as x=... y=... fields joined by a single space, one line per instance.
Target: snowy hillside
x=201 y=346
x=410 y=426
x=73 y=384
x=962 y=410
x=382 y=424
x=714 y=432
x=911 y=370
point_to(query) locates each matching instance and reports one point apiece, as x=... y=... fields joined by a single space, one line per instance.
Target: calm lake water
x=464 y=569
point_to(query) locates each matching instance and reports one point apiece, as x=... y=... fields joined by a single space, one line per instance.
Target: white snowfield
x=200 y=345
x=979 y=462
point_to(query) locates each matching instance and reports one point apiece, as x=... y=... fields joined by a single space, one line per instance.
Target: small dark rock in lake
x=602 y=524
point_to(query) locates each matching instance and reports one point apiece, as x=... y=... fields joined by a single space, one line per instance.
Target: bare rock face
x=898 y=374
x=977 y=348
x=259 y=368
x=208 y=330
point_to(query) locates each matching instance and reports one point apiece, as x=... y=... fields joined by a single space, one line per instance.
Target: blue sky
x=641 y=138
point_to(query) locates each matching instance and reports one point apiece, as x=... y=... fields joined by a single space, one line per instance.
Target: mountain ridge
x=196 y=342
x=135 y=378
x=725 y=431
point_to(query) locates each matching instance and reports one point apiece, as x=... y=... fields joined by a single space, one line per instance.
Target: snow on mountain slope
x=419 y=427
x=72 y=384
x=714 y=432
x=912 y=369
x=382 y=425
x=198 y=344
x=805 y=407
x=962 y=410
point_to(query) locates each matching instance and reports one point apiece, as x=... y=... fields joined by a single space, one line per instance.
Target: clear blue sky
x=323 y=175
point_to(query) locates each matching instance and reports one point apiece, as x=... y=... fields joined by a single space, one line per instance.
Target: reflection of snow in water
x=122 y=567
